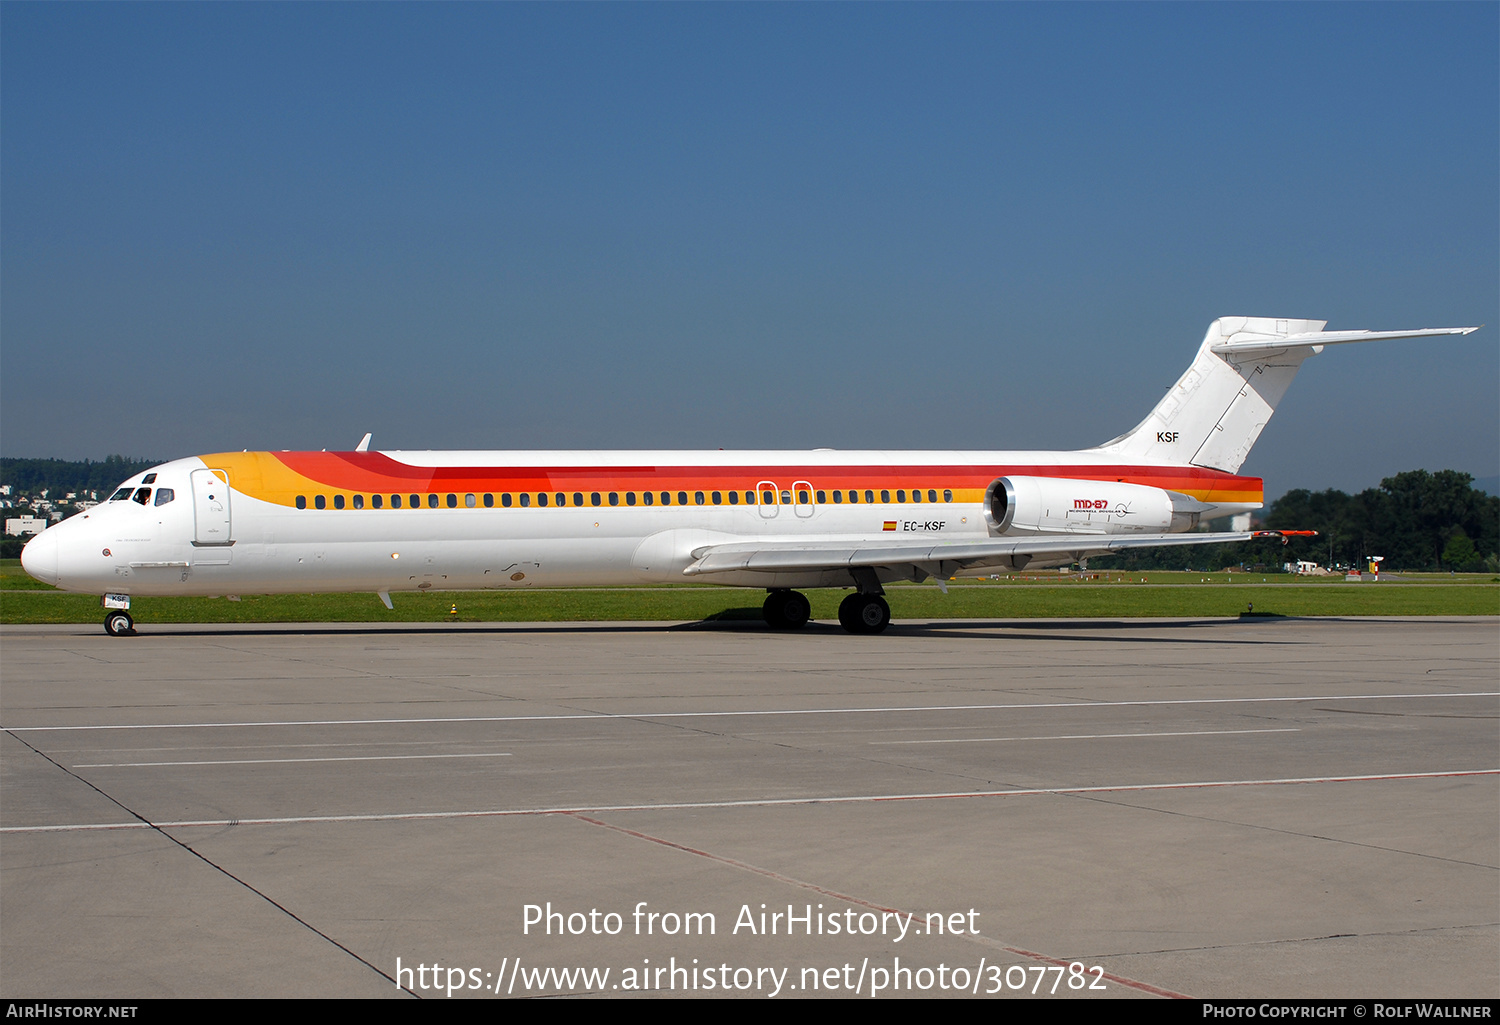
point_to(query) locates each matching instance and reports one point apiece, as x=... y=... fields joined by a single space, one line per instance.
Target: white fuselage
x=249 y=536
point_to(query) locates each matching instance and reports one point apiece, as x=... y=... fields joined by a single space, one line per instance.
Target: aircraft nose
x=39 y=557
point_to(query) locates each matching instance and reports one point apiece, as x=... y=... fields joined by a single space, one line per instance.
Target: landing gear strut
x=864 y=614
x=786 y=610
x=119 y=624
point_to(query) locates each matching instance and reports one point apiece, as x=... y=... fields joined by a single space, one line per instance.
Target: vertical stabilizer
x=1213 y=414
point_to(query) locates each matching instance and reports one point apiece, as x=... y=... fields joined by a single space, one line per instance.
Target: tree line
x=59 y=476
x=1416 y=520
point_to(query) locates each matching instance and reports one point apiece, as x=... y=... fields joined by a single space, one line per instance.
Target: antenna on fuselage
x=364 y=443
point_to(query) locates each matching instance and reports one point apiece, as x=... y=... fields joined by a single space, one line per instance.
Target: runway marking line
x=1083 y=736
x=580 y=716
x=1032 y=955
x=284 y=761
x=769 y=802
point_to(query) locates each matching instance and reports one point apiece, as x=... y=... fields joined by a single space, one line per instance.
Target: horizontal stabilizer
x=1217 y=409
x=1246 y=342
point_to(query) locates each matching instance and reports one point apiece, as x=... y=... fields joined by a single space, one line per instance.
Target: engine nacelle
x=1026 y=506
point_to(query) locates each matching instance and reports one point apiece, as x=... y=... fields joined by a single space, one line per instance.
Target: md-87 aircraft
x=280 y=522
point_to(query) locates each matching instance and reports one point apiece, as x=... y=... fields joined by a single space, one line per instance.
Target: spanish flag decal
x=889 y=525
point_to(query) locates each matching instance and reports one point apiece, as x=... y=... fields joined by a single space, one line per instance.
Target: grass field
x=23 y=600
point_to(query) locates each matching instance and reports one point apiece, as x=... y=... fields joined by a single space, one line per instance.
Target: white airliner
x=279 y=522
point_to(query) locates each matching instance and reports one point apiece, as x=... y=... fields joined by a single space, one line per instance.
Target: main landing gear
x=859 y=613
x=786 y=610
x=864 y=613
x=119 y=624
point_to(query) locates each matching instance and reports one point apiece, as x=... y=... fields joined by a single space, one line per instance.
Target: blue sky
x=229 y=226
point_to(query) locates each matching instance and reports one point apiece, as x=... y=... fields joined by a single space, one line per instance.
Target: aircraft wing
x=939 y=560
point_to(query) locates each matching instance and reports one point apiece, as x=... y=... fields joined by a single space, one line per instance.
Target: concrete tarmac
x=1282 y=808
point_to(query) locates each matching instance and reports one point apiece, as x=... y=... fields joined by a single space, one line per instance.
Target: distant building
x=24 y=525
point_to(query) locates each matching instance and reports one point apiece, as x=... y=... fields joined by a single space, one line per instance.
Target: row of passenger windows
x=596 y=498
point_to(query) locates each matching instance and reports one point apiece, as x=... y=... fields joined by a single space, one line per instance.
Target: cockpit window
x=143 y=495
x=150 y=478
x=164 y=495
x=120 y=496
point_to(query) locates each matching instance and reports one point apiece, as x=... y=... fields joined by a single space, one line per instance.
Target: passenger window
x=838 y=498
x=916 y=496
x=901 y=495
x=470 y=501
x=525 y=500
x=562 y=499
x=164 y=495
x=885 y=496
x=630 y=498
x=577 y=498
x=338 y=501
x=718 y=498
x=143 y=495
x=594 y=498
x=749 y=498
x=801 y=496
x=854 y=496
x=768 y=498
x=395 y=501
x=786 y=498
x=121 y=495
x=931 y=495
x=734 y=498
x=697 y=498
x=505 y=500
x=301 y=501
x=647 y=497
x=822 y=498
x=947 y=495
x=614 y=498
x=320 y=502
x=376 y=501
x=682 y=498
x=452 y=501
x=359 y=501
x=489 y=500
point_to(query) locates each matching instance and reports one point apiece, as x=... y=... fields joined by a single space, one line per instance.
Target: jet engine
x=1026 y=506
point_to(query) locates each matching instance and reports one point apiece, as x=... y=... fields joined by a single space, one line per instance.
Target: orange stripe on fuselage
x=279 y=477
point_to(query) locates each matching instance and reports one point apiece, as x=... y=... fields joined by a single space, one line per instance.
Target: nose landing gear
x=119 y=624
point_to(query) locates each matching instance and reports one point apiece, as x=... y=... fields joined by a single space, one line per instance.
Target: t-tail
x=1217 y=409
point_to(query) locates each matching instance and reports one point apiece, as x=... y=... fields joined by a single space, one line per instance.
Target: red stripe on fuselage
x=375 y=472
